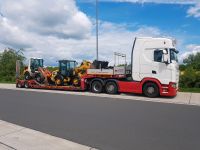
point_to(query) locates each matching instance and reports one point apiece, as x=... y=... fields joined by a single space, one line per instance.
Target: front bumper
x=169 y=90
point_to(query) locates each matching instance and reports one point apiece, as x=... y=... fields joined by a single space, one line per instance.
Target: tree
x=188 y=79
x=193 y=61
x=190 y=72
x=8 y=60
x=182 y=67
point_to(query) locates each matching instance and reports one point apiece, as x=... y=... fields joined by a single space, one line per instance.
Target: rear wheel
x=76 y=81
x=111 y=88
x=96 y=87
x=151 y=89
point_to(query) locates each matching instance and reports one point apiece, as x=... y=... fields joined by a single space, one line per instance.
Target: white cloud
x=59 y=18
x=150 y=1
x=112 y=38
x=116 y=38
x=194 y=11
x=61 y=31
x=190 y=49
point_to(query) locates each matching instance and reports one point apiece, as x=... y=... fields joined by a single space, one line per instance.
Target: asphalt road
x=105 y=123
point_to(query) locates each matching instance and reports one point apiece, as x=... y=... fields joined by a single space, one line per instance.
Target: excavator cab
x=35 y=63
x=66 y=67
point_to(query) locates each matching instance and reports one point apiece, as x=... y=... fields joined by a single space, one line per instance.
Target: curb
x=14 y=137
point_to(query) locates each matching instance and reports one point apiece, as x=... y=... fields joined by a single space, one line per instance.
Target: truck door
x=145 y=64
x=160 y=69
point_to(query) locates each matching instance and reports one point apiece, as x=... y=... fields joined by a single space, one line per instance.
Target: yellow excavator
x=68 y=72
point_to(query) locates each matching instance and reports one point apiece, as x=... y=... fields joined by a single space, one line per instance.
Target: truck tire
x=151 y=90
x=19 y=85
x=26 y=84
x=27 y=76
x=111 y=88
x=96 y=87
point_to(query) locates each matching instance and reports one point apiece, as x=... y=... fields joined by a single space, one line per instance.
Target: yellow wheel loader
x=68 y=72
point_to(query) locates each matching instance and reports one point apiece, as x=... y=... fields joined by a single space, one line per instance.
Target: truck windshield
x=173 y=55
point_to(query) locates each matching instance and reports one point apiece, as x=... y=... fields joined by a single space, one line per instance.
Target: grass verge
x=192 y=90
x=8 y=82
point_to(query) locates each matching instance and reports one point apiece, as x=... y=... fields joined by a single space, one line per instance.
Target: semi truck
x=153 y=71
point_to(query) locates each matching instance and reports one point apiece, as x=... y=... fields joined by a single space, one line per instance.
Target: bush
x=8 y=64
x=190 y=76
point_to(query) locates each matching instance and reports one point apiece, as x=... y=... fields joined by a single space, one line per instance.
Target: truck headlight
x=173 y=85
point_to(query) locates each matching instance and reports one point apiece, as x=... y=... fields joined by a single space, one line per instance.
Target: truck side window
x=158 y=55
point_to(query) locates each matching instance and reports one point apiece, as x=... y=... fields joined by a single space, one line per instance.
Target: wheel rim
x=110 y=88
x=97 y=87
x=76 y=82
x=38 y=79
x=26 y=77
x=150 y=90
x=18 y=85
x=26 y=85
x=58 y=81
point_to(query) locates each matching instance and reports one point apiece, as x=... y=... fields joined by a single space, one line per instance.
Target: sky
x=65 y=29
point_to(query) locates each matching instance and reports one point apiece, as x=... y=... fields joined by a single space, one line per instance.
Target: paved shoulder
x=14 y=137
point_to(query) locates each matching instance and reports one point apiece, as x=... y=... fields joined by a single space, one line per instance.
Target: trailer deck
x=35 y=85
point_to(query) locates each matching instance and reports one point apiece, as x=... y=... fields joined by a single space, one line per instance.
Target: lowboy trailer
x=154 y=72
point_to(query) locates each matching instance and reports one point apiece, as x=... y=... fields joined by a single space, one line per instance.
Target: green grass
x=192 y=90
x=7 y=82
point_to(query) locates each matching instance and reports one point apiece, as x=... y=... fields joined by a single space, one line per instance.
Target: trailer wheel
x=96 y=87
x=151 y=90
x=19 y=85
x=26 y=84
x=111 y=88
x=27 y=76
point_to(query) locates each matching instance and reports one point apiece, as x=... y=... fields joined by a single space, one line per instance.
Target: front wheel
x=96 y=87
x=39 y=78
x=27 y=76
x=151 y=89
